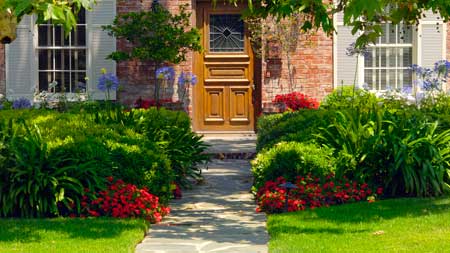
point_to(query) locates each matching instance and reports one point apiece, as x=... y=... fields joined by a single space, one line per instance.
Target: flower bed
x=122 y=200
x=313 y=192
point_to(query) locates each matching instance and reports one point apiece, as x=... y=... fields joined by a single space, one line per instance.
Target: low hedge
x=148 y=148
x=290 y=159
x=299 y=126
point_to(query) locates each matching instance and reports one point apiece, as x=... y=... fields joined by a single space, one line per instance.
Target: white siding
x=432 y=46
x=345 y=65
x=20 y=67
x=100 y=45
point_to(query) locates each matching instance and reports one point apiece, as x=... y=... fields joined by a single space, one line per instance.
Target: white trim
x=35 y=66
x=88 y=52
x=444 y=40
x=335 y=51
x=419 y=45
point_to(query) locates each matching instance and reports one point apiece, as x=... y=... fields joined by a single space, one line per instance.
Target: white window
x=62 y=59
x=387 y=63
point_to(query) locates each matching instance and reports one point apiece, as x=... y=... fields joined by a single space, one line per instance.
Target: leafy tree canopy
x=61 y=12
x=362 y=15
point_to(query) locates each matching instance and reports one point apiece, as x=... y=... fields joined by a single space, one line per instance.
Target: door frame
x=255 y=69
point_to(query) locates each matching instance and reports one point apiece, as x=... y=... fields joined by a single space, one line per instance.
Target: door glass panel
x=226 y=33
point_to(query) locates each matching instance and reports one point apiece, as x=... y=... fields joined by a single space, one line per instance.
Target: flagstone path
x=215 y=216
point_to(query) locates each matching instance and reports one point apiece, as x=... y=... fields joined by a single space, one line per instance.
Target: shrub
x=148 y=148
x=397 y=149
x=296 y=101
x=313 y=192
x=299 y=126
x=289 y=159
x=36 y=180
x=349 y=96
x=121 y=200
x=172 y=131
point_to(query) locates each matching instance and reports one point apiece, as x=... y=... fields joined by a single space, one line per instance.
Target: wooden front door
x=223 y=96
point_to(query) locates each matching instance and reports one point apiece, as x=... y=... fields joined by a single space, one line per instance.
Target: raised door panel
x=239 y=105
x=214 y=105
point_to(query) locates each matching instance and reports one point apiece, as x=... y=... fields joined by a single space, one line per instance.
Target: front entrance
x=223 y=96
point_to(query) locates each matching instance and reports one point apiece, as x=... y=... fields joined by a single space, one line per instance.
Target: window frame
x=36 y=48
x=378 y=86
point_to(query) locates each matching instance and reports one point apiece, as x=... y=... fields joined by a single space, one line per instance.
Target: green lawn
x=70 y=235
x=400 y=225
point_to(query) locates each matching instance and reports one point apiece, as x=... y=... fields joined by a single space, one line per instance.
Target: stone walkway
x=217 y=216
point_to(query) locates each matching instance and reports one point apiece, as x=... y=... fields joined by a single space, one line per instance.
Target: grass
x=397 y=225
x=70 y=235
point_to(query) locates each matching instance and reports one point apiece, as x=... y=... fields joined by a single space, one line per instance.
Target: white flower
x=2 y=97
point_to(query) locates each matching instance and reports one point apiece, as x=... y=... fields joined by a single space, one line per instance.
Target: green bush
x=149 y=148
x=399 y=150
x=290 y=159
x=299 y=126
x=37 y=181
x=349 y=96
x=172 y=133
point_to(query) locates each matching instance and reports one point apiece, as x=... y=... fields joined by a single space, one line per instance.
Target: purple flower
x=352 y=50
x=21 y=103
x=165 y=73
x=107 y=82
x=187 y=79
x=441 y=68
x=407 y=90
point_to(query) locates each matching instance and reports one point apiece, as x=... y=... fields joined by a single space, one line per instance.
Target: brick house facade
x=318 y=62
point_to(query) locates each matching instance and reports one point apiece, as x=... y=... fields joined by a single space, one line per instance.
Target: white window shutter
x=20 y=62
x=100 y=45
x=432 y=46
x=345 y=66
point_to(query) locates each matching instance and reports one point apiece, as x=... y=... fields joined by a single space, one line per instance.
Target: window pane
x=383 y=79
x=63 y=79
x=62 y=59
x=78 y=36
x=392 y=57
x=407 y=57
x=369 y=58
x=405 y=34
x=44 y=79
x=45 y=35
x=383 y=57
x=78 y=82
x=81 y=17
x=392 y=34
x=384 y=37
x=45 y=59
x=368 y=77
x=78 y=59
x=226 y=33
x=391 y=79
x=407 y=78
x=60 y=39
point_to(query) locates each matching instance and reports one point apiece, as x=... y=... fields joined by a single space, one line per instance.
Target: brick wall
x=2 y=70
x=138 y=77
x=311 y=64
